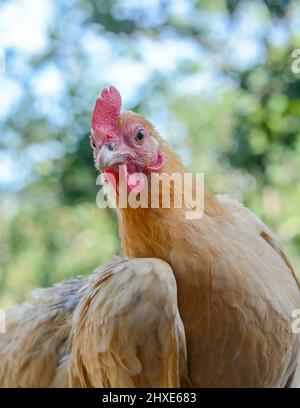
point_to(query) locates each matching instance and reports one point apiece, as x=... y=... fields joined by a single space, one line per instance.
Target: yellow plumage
x=213 y=309
x=236 y=288
x=119 y=327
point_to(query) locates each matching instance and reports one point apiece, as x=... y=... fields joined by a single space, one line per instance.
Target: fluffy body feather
x=34 y=351
x=128 y=331
x=119 y=327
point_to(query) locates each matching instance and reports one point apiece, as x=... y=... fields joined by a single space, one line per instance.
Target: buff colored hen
x=236 y=288
x=204 y=302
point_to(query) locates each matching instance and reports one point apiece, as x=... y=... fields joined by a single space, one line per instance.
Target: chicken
x=201 y=301
x=34 y=351
x=74 y=333
x=236 y=288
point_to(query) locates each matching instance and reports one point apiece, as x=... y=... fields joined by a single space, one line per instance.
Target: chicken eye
x=140 y=136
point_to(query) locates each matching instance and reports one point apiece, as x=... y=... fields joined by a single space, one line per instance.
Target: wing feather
x=127 y=331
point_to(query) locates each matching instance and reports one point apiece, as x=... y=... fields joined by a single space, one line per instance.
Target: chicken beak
x=108 y=157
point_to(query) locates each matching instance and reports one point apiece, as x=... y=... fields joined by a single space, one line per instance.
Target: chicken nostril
x=111 y=146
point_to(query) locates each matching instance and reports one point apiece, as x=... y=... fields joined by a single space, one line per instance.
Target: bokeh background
x=214 y=76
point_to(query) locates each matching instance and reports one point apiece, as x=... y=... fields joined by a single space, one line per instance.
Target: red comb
x=107 y=109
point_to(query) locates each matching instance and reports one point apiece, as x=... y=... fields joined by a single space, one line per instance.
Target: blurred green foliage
x=242 y=129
